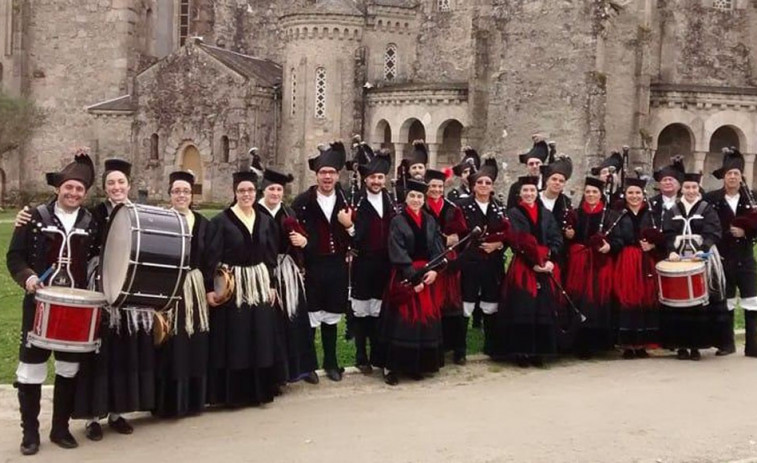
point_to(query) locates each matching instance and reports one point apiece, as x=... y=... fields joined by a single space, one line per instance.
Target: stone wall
x=79 y=53
x=443 y=43
x=544 y=77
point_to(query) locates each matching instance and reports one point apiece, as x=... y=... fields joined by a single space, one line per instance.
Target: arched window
x=183 y=21
x=293 y=92
x=154 y=139
x=224 y=149
x=320 y=93
x=390 y=62
x=149 y=32
x=444 y=5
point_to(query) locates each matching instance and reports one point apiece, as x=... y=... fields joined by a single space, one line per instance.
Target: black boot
x=750 y=333
x=63 y=406
x=371 y=329
x=29 y=396
x=727 y=337
x=489 y=333
x=359 y=332
x=477 y=317
x=330 y=363
x=461 y=350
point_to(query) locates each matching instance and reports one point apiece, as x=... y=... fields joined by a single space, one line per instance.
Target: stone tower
x=323 y=57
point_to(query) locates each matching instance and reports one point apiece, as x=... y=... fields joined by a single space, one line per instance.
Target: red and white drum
x=682 y=283
x=67 y=320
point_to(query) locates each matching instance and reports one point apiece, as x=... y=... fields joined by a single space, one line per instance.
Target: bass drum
x=145 y=257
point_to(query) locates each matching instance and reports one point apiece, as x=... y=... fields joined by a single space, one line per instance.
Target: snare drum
x=67 y=320
x=145 y=257
x=682 y=283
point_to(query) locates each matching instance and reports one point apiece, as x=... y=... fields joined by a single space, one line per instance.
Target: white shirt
x=733 y=201
x=273 y=211
x=68 y=219
x=483 y=206
x=548 y=203
x=327 y=204
x=687 y=205
x=667 y=202
x=377 y=201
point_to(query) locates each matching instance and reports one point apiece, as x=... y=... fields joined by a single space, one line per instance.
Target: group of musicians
x=407 y=265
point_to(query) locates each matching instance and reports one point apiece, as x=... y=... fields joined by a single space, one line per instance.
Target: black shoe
x=63 y=439
x=391 y=379
x=29 y=447
x=695 y=355
x=724 y=352
x=311 y=378
x=415 y=376
x=642 y=353
x=120 y=425
x=683 y=354
x=459 y=358
x=629 y=354
x=94 y=431
x=334 y=374
x=537 y=361
x=365 y=369
x=522 y=361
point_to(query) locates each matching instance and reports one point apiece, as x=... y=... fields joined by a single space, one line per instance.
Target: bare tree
x=18 y=119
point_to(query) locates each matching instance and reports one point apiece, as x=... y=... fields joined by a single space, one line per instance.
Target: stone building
x=132 y=78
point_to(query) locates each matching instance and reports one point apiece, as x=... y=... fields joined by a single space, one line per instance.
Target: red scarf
x=435 y=205
x=416 y=216
x=532 y=210
x=587 y=209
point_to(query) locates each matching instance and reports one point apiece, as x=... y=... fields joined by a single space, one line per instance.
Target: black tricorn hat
x=380 y=163
x=53 y=178
x=433 y=174
x=333 y=156
x=416 y=185
x=692 y=177
x=121 y=165
x=184 y=175
x=639 y=182
x=528 y=180
x=363 y=153
x=595 y=182
x=419 y=154
x=244 y=176
x=81 y=169
x=563 y=165
x=488 y=169
x=732 y=159
x=274 y=177
x=675 y=169
x=540 y=151
x=470 y=160
x=615 y=159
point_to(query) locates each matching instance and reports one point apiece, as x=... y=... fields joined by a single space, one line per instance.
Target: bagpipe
x=441 y=260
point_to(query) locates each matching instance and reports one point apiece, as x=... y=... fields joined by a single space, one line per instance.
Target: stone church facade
x=195 y=84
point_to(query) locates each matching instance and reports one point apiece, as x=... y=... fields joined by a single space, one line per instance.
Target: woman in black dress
x=243 y=367
x=410 y=333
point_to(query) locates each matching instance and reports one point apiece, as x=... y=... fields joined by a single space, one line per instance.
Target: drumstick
x=46 y=274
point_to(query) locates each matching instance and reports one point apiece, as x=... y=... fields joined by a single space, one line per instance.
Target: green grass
x=10 y=315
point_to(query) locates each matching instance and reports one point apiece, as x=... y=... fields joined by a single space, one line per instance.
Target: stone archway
x=384 y=134
x=675 y=139
x=415 y=131
x=451 y=136
x=191 y=160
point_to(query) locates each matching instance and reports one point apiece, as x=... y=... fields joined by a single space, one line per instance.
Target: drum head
x=70 y=295
x=116 y=254
x=682 y=266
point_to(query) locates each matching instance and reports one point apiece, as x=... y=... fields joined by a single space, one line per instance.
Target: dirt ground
x=609 y=410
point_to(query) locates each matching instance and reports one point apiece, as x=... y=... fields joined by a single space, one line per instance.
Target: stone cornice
x=404 y=94
x=703 y=97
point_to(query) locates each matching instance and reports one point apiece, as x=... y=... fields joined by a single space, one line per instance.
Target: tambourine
x=223 y=284
x=161 y=329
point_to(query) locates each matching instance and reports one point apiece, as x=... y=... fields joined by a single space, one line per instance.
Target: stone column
x=749 y=169
x=699 y=157
x=433 y=153
x=399 y=150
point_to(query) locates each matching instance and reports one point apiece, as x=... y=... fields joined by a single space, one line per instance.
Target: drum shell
x=683 y=287
x=67 y=320
x=158 y=258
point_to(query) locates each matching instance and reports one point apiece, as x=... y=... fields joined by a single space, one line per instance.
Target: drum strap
x=47 y=218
